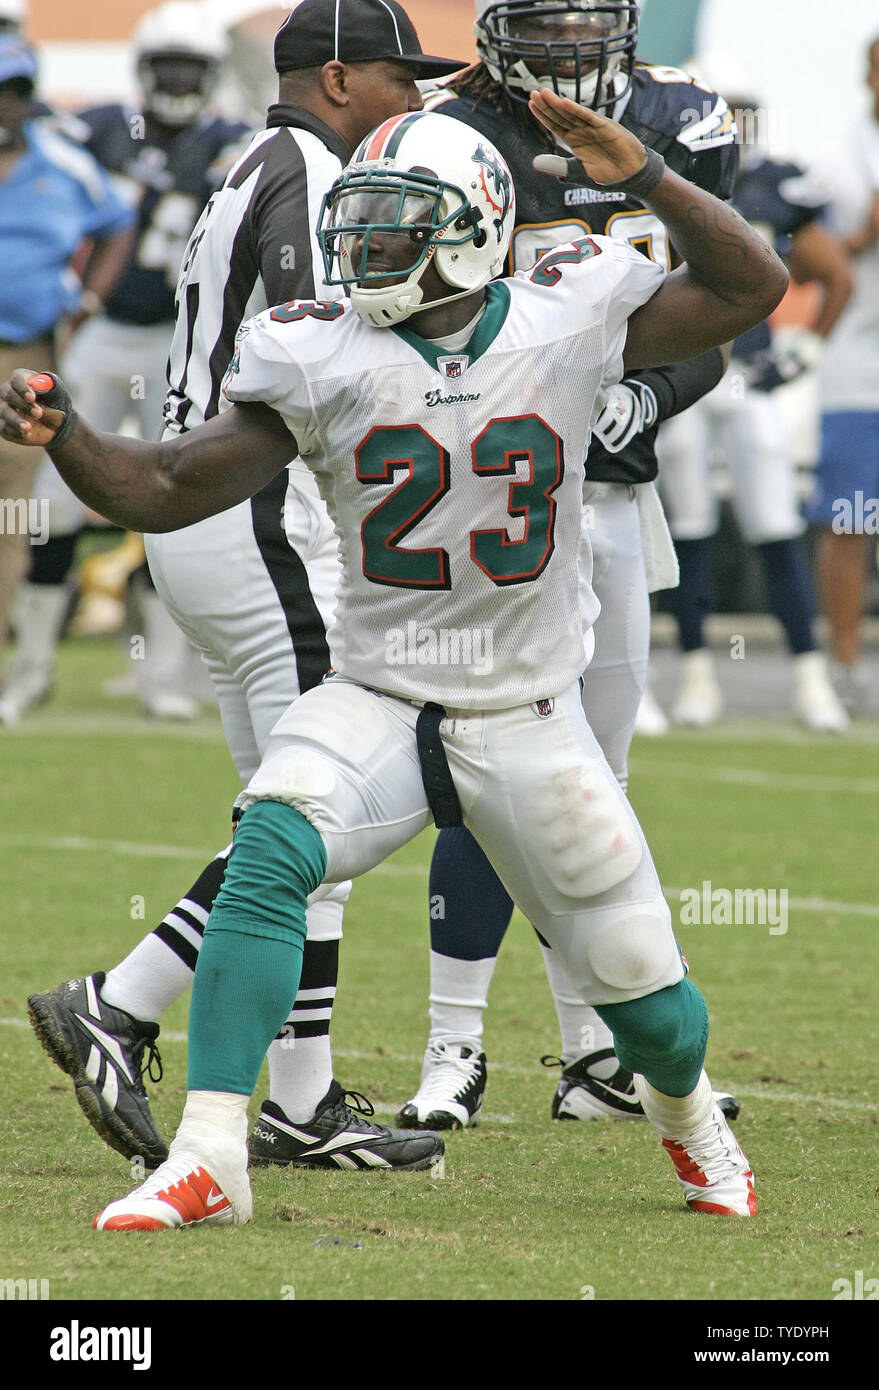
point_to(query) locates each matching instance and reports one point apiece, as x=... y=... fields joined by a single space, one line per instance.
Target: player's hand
x=22 y=419
x=629 y=410
x=607 y=151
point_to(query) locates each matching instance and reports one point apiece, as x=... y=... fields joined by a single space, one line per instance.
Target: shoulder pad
x=670 y=102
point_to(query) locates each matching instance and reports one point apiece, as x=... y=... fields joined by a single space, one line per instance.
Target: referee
x=254 y=588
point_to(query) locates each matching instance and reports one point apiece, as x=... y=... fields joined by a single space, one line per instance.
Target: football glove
x=630 y=408
x=784 y=362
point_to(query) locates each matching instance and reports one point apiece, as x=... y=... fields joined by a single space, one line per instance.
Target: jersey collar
x=301 y=119
x=497 y=305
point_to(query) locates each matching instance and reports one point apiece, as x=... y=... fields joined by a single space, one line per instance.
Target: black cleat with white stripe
x=103 y=1049
x=337 y=1137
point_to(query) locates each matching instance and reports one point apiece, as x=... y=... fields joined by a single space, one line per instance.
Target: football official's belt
x=442 y=796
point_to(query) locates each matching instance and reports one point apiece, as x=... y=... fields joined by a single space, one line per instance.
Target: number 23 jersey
x=454 y=479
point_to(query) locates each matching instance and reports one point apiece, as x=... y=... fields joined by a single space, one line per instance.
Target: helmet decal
x=498 y=175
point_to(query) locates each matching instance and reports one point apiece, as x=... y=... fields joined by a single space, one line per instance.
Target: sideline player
x=254 y=589
x=165 y=160
x=586 y=51
x=844 y=504
x=745 y=417
x=453 y=510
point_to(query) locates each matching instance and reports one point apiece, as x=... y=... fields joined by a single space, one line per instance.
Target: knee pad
x=634 y=946
x=277 y=859
x=590 y=841
x=662 y=1036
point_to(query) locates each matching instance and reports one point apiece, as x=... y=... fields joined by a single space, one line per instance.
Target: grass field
x=103 y=811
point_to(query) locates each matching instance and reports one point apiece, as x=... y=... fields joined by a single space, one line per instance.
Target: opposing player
x=454 y=509
x=745 y=418
x=254 y=589
x=584 y=50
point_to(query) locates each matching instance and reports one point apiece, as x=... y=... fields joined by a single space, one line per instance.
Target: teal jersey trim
x=487 y=329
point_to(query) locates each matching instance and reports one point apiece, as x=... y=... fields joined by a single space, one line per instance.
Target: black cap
x=353 y=31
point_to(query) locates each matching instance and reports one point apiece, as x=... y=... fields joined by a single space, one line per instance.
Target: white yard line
x=140 y=850
x=775 y=1093
x=782 y=781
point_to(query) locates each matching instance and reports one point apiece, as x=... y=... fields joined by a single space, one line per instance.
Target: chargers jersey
x=169 y=182
x=778 y=198
x=689 y=125
x=454 y=480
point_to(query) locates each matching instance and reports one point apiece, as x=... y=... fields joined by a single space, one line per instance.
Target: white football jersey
x=454 y=479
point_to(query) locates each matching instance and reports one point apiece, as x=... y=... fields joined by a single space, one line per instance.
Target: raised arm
x=730 y=279
x=144 y=486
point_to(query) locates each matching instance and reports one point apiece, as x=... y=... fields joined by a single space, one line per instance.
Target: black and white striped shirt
x=253 y=246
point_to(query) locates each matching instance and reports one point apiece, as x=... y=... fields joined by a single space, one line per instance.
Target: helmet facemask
x=372 y=213
x=173 y=100
x=584 y=50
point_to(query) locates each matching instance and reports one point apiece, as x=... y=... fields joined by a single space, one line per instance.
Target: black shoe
x=453 y=1077
x=338 y=1138
x=103 y=1050
x=582 y=1096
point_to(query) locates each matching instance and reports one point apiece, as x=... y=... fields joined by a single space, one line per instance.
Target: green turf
x=527 y=1209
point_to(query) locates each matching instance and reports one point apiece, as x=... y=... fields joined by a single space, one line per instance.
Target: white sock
x=581 y=1028
x=214 y=1130
x=150 y=978
x=300 y=1072
x=676 y=1117
x=458 y=997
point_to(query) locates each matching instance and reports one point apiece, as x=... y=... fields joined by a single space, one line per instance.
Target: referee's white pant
x=254 y=590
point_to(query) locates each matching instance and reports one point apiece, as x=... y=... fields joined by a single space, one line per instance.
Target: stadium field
x=109 y=818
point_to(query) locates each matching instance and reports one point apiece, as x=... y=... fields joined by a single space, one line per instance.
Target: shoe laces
x=348 y=1103
x=713 y=1148
x=151 y=1065
x=445 y=1066
x=170 y=1174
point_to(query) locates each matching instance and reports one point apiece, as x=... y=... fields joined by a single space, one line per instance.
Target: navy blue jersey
x=690 y=126
x=169 y=180
x=777 y=198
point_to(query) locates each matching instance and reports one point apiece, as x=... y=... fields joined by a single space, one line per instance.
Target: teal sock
x=251 y=958
x=662 y=1036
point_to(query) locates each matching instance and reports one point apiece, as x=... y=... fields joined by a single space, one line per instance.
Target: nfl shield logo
x=453 y=367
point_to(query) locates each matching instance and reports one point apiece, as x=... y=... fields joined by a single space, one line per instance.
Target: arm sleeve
x=682 y=384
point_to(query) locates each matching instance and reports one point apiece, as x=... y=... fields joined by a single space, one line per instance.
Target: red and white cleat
x=181 y=1192
x=713 y=1171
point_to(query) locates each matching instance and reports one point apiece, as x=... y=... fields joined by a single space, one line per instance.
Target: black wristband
x=640 y=184
x=571 y=170
x=57 y=397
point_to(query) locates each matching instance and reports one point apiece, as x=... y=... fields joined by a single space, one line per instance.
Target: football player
x=166 y=159
x=744 y=416
x=584 y=50
x=456 y=510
